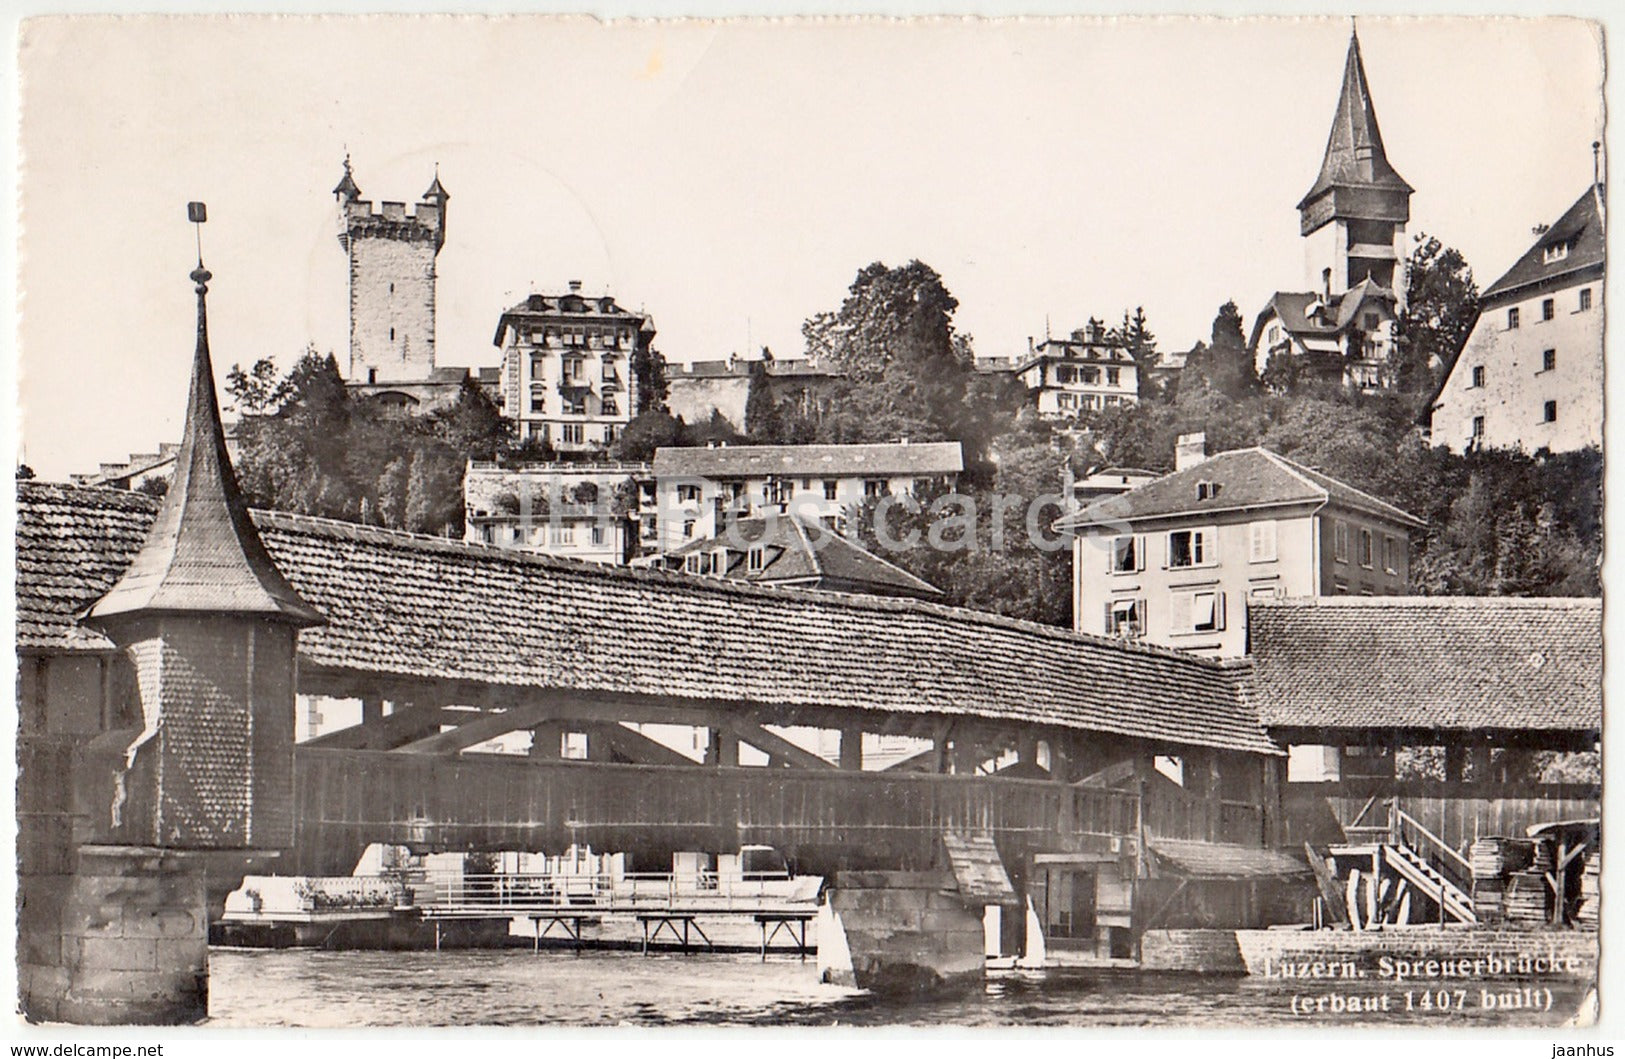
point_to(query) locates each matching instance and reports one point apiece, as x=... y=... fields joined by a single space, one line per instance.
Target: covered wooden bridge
x=1042 y=737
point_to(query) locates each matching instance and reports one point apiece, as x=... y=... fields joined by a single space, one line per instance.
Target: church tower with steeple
x=392 y=281
x=1353 y=218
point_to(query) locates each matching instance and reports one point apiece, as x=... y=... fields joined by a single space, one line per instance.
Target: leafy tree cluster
x=307 y=445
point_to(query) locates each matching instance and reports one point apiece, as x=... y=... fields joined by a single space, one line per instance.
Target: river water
x=303 y=987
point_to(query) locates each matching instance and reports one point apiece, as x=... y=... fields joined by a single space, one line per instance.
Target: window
x=874 y=487
x=1512 y=319
x=1128 y=554
x=538 y=432
x=1548 y=309
x=608 y=374
x=1478 y=427
x=1340 y=542
x=1275 y=333
x=1207 y=490
x=571 y=369
x=688 y=528
x=688 y=491
x=559 y=534
x=609 y=434
x=598 y=536
x=806 y=485
x=1261 y=541
x=1191 y=548
x=573 y=434
x=1372 y=320
x=538 y=401
x=1196 y=612
x=1126 y=618
x=829 y=489
x=1365 y=548
x=1585 y=299
x=1556 y=252
x=1478 y=376
x=1090 y=376
x=536 y=367
x=610 y=407
x=1550 y=415
x=756 y=559
x=1112 y=376
x=1390 y=551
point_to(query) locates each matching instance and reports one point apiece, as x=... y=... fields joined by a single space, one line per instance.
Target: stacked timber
x=1495 y=858
x=1489 y=900
x=1525 y=898
x=1590 y=892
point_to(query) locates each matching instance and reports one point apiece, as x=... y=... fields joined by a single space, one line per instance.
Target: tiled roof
x=1581 y=226
x=203 y=556
x=1292 y=309
x=811 y=461
x=1449 y=663
x=799 y=552
x=401 y=604
x=1354 y=152
x=1246 y=478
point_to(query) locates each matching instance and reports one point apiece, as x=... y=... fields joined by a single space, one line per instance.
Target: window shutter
x=1107 y=626
x=1139 y=554
x=1218 y=611
x=1179 y=612
x=1143 y=615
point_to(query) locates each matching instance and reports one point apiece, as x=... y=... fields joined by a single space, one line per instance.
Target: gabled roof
x=811 y=461
x=1354 y=153
x=407 y=605
x=538 y=306
x=1292 y=309
x=1446 y=663
x=201 y=554
x=1581 y=226
x=1246 y=478
x=798 y=552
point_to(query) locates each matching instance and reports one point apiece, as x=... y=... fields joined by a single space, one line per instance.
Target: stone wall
x=121 y=938
x=392 y=313
x=1263 y=953
x=905 y=932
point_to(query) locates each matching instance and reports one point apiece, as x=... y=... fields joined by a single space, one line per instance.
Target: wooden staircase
x=1418 y=857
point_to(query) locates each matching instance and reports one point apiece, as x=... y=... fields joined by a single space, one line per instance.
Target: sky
x=728 y=178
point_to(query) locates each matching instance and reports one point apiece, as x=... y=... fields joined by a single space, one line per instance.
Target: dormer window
x=756 y=559
x=1207 y=490
x=1556 y=252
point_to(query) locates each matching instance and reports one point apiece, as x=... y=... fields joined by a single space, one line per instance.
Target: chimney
x=1190 y=450
x=575 y=286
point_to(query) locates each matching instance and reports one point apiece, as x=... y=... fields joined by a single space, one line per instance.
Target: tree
x=1441 y=307
x=472 y=424
x=763 y=421
x=905 y=368
x=649 y=371
x=1225 y=366
x=257 y=390
x=650 y=429
x=1135 y=336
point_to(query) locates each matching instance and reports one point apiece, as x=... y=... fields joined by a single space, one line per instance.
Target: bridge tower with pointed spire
x=1353 y=218
x=193 y=777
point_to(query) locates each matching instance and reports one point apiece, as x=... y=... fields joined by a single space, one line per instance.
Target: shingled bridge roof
x=406 y=605
x=1434 y=663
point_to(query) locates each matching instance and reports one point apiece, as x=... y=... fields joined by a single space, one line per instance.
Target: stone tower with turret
x=392 y=280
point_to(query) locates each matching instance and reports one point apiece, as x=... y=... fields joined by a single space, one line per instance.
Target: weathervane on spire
x=197 y=213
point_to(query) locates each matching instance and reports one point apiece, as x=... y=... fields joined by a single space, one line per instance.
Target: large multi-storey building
x=574 y=510
x=1530 y=375
x=1353 y=224
x=1065 y=377
x=568 y=367
x=392 y=295
x=699 y=490
x=1175 y=561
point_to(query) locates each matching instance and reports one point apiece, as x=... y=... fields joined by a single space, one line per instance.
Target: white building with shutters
x=1175 y=561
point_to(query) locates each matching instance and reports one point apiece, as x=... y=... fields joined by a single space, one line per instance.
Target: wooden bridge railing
x=347 y=798
x=1457 y=813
